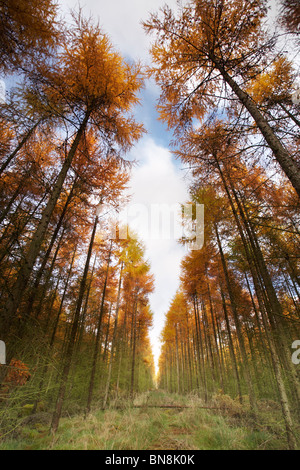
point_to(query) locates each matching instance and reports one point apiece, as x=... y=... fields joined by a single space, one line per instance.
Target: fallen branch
x=167 y=406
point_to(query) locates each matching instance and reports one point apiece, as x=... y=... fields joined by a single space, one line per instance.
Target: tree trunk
x=215 y=338
x=71 y=343
x=133 y=348
x=16 y=294
x=62 y=300
x=113 y=339
x=200 y=345
x=177 y=361
x=98 y=334
x=19 y=146
x=48 y=252
x=231 y=347
x=238 y=327
x=288 y=165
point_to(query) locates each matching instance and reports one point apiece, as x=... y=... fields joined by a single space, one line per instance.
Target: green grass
x=150 y=428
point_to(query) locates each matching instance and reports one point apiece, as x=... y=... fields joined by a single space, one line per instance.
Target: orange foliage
x=18 y=373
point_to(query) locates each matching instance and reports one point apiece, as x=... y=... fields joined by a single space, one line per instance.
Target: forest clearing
x=149 y=225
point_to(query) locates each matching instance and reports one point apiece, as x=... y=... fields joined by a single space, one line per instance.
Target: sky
x=157 y=181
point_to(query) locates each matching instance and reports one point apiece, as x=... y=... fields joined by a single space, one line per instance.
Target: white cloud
x=156 y=181
x=157 y=169
x=121 y=20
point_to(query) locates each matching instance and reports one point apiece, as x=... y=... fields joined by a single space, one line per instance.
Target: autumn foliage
x=74 y=303
x=74 y=300
x=225 y=91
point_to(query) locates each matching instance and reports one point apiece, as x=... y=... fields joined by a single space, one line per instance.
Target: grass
x=150 y=428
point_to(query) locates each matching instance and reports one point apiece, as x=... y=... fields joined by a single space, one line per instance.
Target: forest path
x=169 y=414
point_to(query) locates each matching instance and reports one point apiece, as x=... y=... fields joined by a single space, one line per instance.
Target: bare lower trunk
x=96 y=346
x=133 y=350
x=113 y=340
x=72 y=338
x=238 y=327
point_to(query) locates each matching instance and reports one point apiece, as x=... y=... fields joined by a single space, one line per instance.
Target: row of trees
x=232 y=324
x=226 y=93
x=74 y=310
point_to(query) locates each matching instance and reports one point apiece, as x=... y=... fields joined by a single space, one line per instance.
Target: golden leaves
x=27 y=29
x=273 y=85
x=188 y=49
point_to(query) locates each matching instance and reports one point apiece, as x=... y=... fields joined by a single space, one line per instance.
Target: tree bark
x=133 y=347
x=238 y=327
x=98 y=334
x=231 y=347
x=288 y=165
x=16 y=294
x=71 y=343
x=113 y=339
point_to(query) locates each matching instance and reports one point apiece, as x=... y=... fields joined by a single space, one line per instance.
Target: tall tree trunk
x=238 y=326
x=71 y=343
x=113 y=339
x=49 y=249
x=84 y=310
x=201 y=349
x=231 y=347
x=261 y=276
x=215 y=338
x=177 y=360
x=288 y=165
x=16 y=293
x=105 y=349
x=52 y=338
x=277 y=318
x=62 y=300
x=207 y=336
x=189 y=351
x=281 y=388
x=98 y=335
x=133 y=347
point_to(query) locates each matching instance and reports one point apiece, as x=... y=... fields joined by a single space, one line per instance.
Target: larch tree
x=28 y=31
x=206 y=49
x=99 y=89
x=290 y=14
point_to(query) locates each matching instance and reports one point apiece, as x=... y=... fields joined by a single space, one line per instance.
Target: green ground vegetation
x=228 y=426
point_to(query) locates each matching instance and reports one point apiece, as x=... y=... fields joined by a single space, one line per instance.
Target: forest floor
x=157 y=421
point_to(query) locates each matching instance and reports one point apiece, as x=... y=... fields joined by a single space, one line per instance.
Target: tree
x=290 y=14
x=27 y=31
x=99 y=89
x=218 y=44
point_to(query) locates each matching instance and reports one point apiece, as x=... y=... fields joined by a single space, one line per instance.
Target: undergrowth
x=229 y=426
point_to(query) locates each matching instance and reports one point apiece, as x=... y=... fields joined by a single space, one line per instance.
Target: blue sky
x=158 y=178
